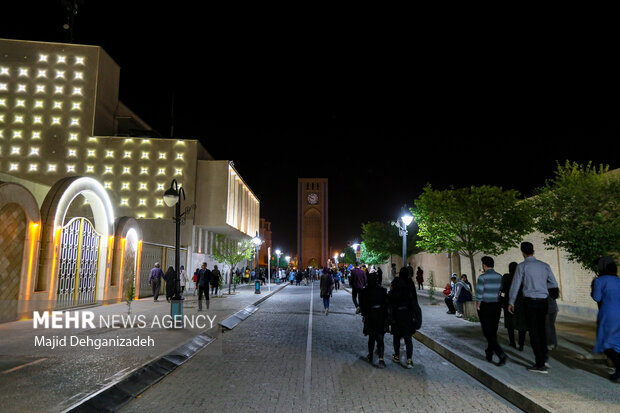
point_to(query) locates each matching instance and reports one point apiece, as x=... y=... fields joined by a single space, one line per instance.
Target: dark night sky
x=296 y=98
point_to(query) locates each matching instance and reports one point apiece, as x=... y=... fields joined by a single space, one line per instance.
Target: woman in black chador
x=373 y=305
x=171 y=279
x=406 y=315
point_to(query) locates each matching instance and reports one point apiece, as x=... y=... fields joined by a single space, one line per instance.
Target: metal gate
x=79 y=264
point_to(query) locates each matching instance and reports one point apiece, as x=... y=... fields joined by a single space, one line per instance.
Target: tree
x=349 y=256
x=579 y=211
x=371 y=257
x=282 y=262
x=382 y=238
x=485 y=219
x=231 y=252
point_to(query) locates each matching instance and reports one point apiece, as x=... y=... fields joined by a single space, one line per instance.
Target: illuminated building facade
x=90 y=194
x=312 y=222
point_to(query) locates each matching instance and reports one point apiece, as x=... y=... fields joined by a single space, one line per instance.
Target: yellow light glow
x=179 y=156
x=145 y=155
x=91 y=153
x=79 y=60
x=38 y=104
x=22 y=72
x=39 y=89
x=142 y=202
x=107 y=185
x=59 y=90
x=124 y=202
x=15 y=150
x=18 y=119
x=4 y=71
x=3 y=102
x=161 y=171
x=144 y=170
x=108 y=170
x=109 y=154
x=37 y=120
x=57 y=105
x=143 y=186
x=55 y=242
x=126 y=170
x=75 y=122
x=55 y=120
x=160 y=187
x=51 y=167
x=70 y=168
x=4 y=87
x=61 y=59
x=71 y=152
x=36 y=135
x=90 y=168
x=77 y=91
x=34 y=232
x=78 y=76
x=60 y=74
x=43 y=58
x=127 y=154
x=21 y=88
x=125 y=186
x=13 y=167
x=159 y=202
x=33 y=167
x=17 y=134
x=20 y=103
x=41 y=73
x=178 y=171
x=73 y=137
x=76 y=106
x=34 y=151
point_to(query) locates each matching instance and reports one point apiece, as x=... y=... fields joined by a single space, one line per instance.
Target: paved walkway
x=43 y=379
x=577 y=379
x=290 y=357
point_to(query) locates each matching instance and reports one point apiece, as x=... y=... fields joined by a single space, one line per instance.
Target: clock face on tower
x=313 y=199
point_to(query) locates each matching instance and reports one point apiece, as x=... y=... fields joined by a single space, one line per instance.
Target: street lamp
x=405 y=219
x=172 y=198
x=358 y=254
x=336 y=260
x=278 y=253
x=257 y=243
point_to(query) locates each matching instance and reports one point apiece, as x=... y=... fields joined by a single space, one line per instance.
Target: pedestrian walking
x=517 y=320
x=419 y=277
x=490 y=308
x=392 y=272
x=184 y=278
x=171 y=278
x=462 y=294
x=155 y=279
x=410 y=270
x=606 y=292
x=449 y=293
x=373 y=304
x=204 y=278
x=357 y=282
x=536 y=277
x=406 y=316
x=215 y=280
x=326 y=287
x=195 y=280
x=552 y=313
x=337 y=279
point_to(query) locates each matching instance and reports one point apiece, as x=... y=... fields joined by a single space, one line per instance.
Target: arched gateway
x=78 y=221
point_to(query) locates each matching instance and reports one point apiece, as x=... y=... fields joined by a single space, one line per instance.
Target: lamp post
x=257 y=243
x=278 y=253
x=336 y=260
x=358 y=253
x=172 y=198
x=405 y=219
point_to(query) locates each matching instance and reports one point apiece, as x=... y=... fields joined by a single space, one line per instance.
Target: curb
x=117 y=395
x=503 y=390
x=235 y=319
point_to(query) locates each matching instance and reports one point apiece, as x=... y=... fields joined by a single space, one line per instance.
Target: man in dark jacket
x=373 y=304
x=215 y=280
x=204 y=278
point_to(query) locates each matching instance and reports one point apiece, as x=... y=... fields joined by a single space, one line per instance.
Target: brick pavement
x=260 y=366
x=62 y=376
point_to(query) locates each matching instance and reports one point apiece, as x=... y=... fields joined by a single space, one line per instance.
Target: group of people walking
x=396 y=312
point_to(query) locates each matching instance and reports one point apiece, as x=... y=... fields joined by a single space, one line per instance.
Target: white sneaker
x=459 y=315
x=326 y=311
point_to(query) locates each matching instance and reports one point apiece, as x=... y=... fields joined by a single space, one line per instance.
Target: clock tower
x=312 y=250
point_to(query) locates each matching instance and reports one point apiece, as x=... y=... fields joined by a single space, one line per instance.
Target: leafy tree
x=372 y=257
x=485 y=219
x=349 y=256
x=231 y=252
x=383 y=239
x=579 y=211
x=282 y=262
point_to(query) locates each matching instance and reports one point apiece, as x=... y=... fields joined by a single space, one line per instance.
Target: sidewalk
x=577 y=379
x=38 y=378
